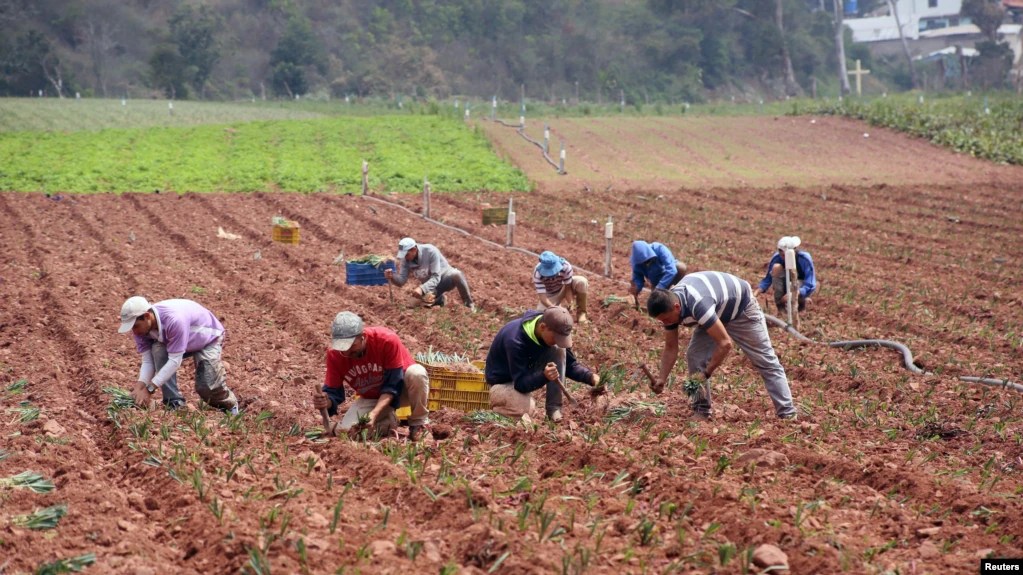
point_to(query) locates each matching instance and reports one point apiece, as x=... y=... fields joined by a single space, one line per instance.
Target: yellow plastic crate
x=457 y=390
x=288 y=234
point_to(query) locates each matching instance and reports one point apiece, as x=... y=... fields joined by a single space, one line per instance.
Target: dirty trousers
x=749 y=332
x=414 y=394
x=210 y=377
x=505 y=400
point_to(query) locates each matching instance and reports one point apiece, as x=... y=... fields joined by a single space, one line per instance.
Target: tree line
x=592 y=50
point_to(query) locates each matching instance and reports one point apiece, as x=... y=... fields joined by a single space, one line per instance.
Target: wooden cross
x=859 y=73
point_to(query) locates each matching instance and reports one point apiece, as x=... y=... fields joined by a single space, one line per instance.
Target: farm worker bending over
x=374 y=363
x=806 y=277
x=425 y=262
x=531 y=352
x=556 y=283
x=723 y=309
x=165 y=334
x=655 y=264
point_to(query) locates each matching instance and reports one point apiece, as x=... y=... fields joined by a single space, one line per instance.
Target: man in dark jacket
x=531 y=352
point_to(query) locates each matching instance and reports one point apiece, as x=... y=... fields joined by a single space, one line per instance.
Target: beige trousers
x=510 y=403
x=415 y=394
x=579 y=286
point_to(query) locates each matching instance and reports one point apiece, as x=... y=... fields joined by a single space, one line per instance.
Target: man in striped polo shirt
x=556 y=284
x=723 y=309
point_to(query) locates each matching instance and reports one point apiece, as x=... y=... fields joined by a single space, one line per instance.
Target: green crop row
x=984 y=127
x=300 y=155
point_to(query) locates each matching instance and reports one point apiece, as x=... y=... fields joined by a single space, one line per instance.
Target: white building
x=930 y=27
x=915 y=16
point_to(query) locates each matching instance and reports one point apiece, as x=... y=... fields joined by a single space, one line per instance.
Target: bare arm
x=669 y=356
x=724 y=346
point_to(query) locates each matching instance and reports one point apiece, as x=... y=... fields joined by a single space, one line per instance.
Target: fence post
x=546 y=138
x=493 y=108
x=426 y=197
x=365 y=177
x=511 y=223
x=561 y=164
x=609 y=232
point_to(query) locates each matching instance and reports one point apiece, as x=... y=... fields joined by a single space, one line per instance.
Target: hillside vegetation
x=595 y=50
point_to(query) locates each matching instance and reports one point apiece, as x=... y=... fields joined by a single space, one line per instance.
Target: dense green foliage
x=989 y=127
x=299 y=155
x=591 y=50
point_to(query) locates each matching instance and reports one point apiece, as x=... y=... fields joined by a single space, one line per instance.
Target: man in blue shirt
x=653 y=263
x=806 y=277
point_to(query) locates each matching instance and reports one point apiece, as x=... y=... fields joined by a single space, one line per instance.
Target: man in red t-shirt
x=374 y=364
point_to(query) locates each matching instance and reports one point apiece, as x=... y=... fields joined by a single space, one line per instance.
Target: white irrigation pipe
x=907 y=355
x=520 y=128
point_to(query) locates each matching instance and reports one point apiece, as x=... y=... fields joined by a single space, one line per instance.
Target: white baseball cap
x=788 y=243
x=133 y=307
x=404 y=246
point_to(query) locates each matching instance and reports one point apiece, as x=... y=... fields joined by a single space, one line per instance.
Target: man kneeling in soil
x=556 y=282
x=723 y=309
x=425 y=262
x=531 y=352
x=806 y=277
x=165 y=334
x=378 y=367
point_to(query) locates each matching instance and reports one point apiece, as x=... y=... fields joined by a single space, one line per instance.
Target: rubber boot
x=581 y=318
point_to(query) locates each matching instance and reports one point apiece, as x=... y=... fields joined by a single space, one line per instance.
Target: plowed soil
x=885 y=470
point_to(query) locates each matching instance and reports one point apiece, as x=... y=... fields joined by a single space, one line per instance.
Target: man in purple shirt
x=165 y=334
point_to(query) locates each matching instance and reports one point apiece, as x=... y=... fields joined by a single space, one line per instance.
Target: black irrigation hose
x=907 y=355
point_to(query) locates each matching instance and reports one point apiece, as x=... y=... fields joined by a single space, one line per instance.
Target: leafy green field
x=51 y=114
x=989 y=127
x=291 y=155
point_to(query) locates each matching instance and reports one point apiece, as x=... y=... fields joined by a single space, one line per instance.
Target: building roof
x=950 y=51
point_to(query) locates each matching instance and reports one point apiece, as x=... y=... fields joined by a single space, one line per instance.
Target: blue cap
x=550 y=264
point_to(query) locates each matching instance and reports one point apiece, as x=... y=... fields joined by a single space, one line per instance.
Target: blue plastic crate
x=366 y=274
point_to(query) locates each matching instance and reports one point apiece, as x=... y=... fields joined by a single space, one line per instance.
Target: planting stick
x=327 y=427
x=564 y=390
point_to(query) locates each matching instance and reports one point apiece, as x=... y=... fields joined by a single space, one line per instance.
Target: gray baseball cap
x=346 y=327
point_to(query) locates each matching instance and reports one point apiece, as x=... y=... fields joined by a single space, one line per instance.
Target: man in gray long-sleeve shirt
x=425 y=262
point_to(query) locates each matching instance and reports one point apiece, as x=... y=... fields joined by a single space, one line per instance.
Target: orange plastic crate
x=288 y=234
